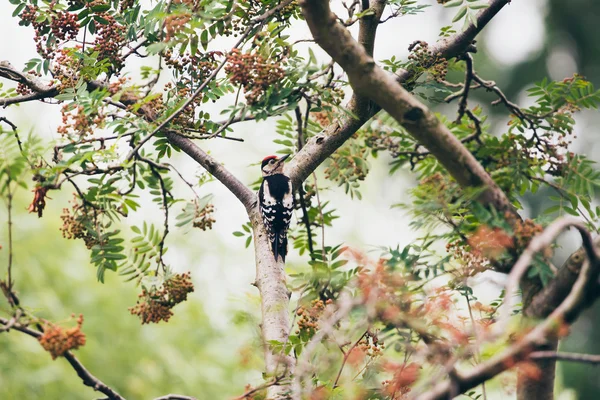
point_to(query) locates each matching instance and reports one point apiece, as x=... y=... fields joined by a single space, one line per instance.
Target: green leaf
x=156 y=48
x=204 y=39
x=92 y=27
x=454 y=3
x=100 y=8
x=461 y=13
x=18 y=10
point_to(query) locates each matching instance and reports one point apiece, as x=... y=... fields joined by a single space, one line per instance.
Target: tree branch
x=241 y=191
x=87 y=378
x=581 y=296
x=275 y=298
x=558 y=288
x=320 y=147
x=538 y=244
x=368 y=79
x=560 y=356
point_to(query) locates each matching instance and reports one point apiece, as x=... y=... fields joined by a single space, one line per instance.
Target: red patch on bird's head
x=267 y=158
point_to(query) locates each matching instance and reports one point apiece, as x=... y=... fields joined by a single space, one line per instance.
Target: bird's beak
x=282 y=159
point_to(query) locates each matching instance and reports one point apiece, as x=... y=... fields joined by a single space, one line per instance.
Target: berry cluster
x=204 y=218
x=175 y=23
x=64 y=26
x=403 y=376
x=198 y=66
x=110 y=39
x=423 y=57
x=76 y=224
x=76 y=122
x=470 y=264
x=181 y=90
x=348 y=161
x=57 y=341
x=23 y=89
x=524 y=232
x=490 y=242
x=61 y=25
x=253 y=72
x=65 y=69
x=308 y=318
x=156 y=303
x=370 y=345
x=126 y=5
x=252 y=9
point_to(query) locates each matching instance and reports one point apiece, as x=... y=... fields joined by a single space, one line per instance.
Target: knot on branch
x=413 y=115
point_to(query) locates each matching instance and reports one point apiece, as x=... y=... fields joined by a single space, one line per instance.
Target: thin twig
x=562 y=356
x=346 y=355
x=301 y=192
x=204 y=137
x=259 y=388
x=322 y=219
x=175 y=397
x=462 y=105
x=165 y=200
x=477 y=342
x=9 y=198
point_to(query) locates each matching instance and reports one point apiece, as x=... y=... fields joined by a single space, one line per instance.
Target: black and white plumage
x=276 y=203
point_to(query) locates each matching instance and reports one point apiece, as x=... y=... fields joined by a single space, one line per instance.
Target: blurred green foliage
x=55 y=279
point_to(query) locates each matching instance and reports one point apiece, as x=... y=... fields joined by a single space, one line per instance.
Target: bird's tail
x=279 y=244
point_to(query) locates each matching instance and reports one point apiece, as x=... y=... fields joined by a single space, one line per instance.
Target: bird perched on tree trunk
x=276 y=203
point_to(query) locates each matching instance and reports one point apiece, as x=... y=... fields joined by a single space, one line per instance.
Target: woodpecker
x=276 y=203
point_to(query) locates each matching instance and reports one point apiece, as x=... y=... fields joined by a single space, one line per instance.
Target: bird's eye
x=272 y=161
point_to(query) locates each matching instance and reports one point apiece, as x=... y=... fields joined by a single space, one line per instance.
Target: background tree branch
x=582 y=294
x=369 y=80
x=86 y=377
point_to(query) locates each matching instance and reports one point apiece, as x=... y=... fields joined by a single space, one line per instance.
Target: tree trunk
x=536 y=383
x=275 y=299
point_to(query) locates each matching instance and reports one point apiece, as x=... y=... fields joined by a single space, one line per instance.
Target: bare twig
x=462 y=105
x=249 y=393
x=326 y=326
x=246 y=196
x=321 y=215
x=175 y=397
x=301 y=192
x=165 y=200
x=9 y=199
x=477 y=341
x=562 y=356
x=346 y=354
